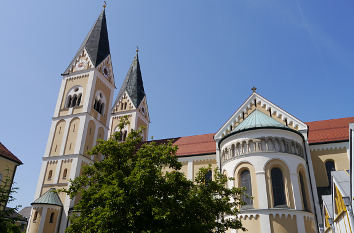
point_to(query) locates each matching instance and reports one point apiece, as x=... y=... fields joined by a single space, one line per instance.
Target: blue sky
x=199 y=60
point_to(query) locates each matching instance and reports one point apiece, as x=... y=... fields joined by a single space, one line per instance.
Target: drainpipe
x=320 y=228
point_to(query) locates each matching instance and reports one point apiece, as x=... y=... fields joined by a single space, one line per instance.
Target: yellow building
x=284 y=163
x=8 y=166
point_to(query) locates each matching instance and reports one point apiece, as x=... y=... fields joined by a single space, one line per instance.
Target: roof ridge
x=333 y=119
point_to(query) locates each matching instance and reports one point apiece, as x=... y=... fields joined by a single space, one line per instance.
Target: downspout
x=351 y=161
x=308 y=170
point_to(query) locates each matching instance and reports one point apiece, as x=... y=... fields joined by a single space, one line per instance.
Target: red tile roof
x=4 y=152
x=319 y=132
x=329 y=130
x=196 y=145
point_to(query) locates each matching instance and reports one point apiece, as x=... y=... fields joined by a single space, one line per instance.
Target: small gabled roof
x=4 y=152
x=342 y=180
x=133 y=84
x=96 y=42
x=327 y=201
x=253 y=99
x=258 y=119
x=49 y=198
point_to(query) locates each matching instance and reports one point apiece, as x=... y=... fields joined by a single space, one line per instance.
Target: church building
x=298 y=173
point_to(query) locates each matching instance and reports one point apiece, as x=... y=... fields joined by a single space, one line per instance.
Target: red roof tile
x=319 y=132
x=4 y=152
x=329 y=130
x=196 y=145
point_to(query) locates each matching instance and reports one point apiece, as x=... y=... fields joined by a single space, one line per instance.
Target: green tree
x=7 y=214
x=129 y=191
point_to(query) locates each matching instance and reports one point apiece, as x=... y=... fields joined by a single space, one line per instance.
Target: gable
x=259 y=103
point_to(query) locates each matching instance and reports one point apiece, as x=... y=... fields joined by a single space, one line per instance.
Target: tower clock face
x=105 y=71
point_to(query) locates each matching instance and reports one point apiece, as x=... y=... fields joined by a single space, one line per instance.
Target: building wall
x=310 y=225
x=58 y=138
x=319 y=157
x=72 y=136
x=89 y=136
x=198 y=164
x=106 y=91
x=7 y=169
x=80 y=80
x=252 y=224
x=283 y=224
x=34 y=224
x=50 y=227
x=51 y=169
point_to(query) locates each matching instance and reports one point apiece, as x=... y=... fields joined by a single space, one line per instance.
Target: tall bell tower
x=81 y=117
x=131 y=102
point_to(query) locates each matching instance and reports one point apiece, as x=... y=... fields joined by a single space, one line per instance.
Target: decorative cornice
x=329 y=146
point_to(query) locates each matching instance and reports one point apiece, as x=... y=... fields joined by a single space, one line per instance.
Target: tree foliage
x=7 y=219
x=131 y=191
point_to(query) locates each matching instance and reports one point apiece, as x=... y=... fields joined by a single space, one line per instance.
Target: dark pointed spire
x=133 y=83
x=96 y=42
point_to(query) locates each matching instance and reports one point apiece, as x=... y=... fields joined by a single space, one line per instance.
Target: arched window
x=233 y=150
x=208 y=176
x=245 y=178
x=51 y=218
x=125 y=106
x=303 y=192
x=99 y=102
x=68 y=103
x=35 y=215
x=50 y=174
x=65 y=172
x=73 y=103
x=329 y=168
x=101 y=108
x=278 y=187
x=79 y=100
x=124 y=135
x=74 y=97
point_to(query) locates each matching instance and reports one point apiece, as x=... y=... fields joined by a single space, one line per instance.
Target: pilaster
x=296 y=191
x=265 y=223
x=65 y=136
x=57 y=172
x=42 y=221
x=262 y=190
x=190 y=170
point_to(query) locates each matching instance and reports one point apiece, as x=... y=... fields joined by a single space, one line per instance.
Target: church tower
x=131 y=102
x=81 y=117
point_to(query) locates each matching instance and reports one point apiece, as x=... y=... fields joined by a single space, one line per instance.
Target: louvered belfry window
x=246 y=182
x=278 y=187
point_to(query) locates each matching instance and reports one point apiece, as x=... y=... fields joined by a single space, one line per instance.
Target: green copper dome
x=50 y=198
x=258 y=119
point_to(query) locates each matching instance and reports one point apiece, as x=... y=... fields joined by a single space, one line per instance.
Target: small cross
x=104 y=4
x=137 y=49
x=254 y=89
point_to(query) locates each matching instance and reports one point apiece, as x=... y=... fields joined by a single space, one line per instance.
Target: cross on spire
x=104 y=4
x=253 y=89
